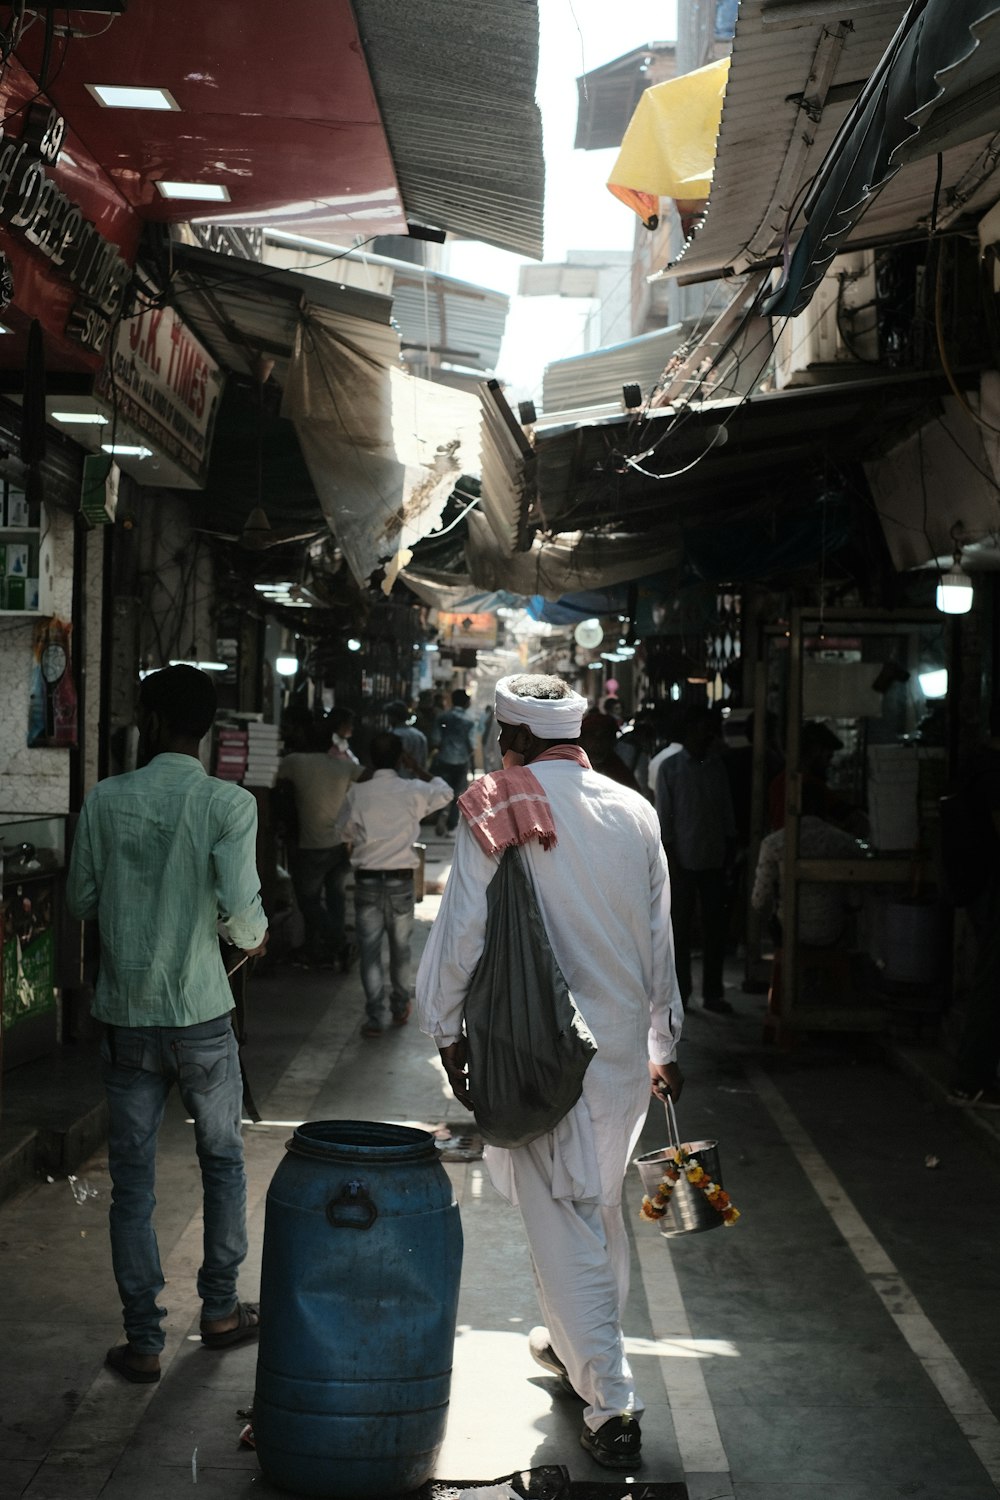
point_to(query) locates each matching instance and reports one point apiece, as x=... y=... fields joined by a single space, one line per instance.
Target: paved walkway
x=839 y=1343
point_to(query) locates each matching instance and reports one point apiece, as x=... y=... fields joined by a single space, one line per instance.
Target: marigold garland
x=654 y=1208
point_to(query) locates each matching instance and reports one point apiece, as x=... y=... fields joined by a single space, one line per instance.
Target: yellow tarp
x=669 y=146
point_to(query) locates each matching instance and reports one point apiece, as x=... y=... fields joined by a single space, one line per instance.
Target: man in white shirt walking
x=381 y=822
x=593 y=853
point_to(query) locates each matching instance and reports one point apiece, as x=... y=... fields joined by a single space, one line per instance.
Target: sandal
x=119 y=1359
x=247 y=1328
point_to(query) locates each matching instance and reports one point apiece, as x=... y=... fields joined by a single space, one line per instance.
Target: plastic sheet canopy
x=669 y=146
x=384 y=449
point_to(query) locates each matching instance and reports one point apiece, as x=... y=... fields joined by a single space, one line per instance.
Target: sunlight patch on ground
x=681 y=1348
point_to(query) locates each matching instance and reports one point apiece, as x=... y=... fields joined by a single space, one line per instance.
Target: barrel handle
x=353 y=1209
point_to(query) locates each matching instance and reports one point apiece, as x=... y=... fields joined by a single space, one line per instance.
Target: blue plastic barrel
x=359 y=1295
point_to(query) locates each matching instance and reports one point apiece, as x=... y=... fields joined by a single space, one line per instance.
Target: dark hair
x=184 y=698
x=695 y=715
x=319 y=734
x=814 y=801
x=339 y=717
x=538 y=685
x=385 y=750
x=816 y=736
x=397 y=711
x=460 y=698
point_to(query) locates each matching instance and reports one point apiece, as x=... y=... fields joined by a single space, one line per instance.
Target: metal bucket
x=689 y=1211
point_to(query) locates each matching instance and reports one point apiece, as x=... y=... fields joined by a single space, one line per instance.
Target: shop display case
x=25 y=555
x=32 y=862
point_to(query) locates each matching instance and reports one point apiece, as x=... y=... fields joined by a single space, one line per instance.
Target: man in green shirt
x=164 y=859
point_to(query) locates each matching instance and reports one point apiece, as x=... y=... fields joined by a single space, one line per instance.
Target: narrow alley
x=838 y=1343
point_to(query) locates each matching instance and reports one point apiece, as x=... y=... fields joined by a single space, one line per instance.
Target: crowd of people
x=630 y=835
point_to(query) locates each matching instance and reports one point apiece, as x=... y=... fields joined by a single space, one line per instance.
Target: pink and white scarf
x=510 y=807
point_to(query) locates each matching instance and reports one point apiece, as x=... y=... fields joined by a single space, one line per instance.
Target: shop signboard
x=467 y=631
x=68 y=235
x=163 y=383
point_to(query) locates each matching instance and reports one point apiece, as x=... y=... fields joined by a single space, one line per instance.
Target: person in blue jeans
x=381 y=822
x=454 y=738
x=163 y=859
x=319 y=863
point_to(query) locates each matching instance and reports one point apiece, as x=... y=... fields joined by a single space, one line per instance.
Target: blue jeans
x=319 y=874
x=140 y=1064
x=384 y=906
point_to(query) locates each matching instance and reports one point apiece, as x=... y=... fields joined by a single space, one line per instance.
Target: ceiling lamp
x=934 y=682
x=588 y=634
x=954 y=592
x=286 y=666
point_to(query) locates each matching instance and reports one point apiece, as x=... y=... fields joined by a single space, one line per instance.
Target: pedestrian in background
x=381 y=823
x=320 y=865
x=699 y=834
x=161 y=857
x=598 y=740
x=975 y=1082
x=413 y=741
x=454 y=739
x=341 y=730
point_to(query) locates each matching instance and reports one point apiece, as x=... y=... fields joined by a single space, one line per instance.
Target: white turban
x=547 y=718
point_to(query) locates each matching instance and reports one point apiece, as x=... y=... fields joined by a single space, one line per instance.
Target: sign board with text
x=165 y=385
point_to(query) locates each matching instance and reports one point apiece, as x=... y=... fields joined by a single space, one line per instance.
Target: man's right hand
x=454 y=1060
x=665 y=1080
x=261 y=948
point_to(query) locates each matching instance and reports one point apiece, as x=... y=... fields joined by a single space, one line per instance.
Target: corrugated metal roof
x=771 y=116
x=456 y=89
x=461 y=322
x=241 y=309
x=598 y=376
x=935 y=87
x=508 y=471
x=607 y=96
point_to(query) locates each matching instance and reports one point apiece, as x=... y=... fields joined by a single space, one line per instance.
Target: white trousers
x=580 y=1257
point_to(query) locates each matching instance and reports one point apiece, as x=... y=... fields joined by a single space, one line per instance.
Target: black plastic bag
x=529 y=1047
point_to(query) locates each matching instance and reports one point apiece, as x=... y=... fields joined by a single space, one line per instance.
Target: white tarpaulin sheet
x=383 y=448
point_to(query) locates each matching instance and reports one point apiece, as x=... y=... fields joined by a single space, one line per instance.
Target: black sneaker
x=616 y=1445
x=719 y=1006
x=542 y=1352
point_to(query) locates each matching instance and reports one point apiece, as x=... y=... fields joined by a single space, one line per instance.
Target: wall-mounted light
x=954 y=592
x=354 y=644
x=286 y=666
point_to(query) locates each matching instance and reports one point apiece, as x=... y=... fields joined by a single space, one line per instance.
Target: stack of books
x=230 y=753
x=263 y=754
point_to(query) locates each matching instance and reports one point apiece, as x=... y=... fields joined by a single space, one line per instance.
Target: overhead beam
x=780 y=16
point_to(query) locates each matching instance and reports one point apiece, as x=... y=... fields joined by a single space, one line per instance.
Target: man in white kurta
x=603 y=891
